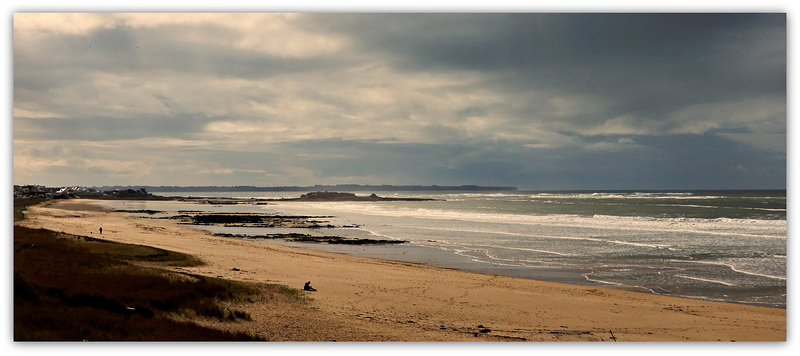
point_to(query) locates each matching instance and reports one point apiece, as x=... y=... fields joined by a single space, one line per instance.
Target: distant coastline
x=338 y=187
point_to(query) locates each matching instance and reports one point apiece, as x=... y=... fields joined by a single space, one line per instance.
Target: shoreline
x=439 y=258
x=431 y=302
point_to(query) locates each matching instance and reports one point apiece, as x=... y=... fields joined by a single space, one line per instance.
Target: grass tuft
x=69 y=288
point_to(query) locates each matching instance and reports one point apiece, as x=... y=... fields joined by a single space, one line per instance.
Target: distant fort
x=314 y=188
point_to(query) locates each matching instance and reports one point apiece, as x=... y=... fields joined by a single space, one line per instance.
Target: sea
x=725 y=246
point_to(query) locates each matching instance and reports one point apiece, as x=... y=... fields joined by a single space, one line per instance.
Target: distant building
x=33 y=191
x=75 y=190
x=40 y=191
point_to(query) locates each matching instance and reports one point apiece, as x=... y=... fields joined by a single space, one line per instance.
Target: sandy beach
x=380 y=300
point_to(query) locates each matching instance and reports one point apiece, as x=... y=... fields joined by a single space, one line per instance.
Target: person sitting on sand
x=308 y=287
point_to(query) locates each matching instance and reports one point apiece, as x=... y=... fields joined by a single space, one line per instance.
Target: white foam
x=735 y=269
x=586 y=276
x=633 y=195
x=530 y=249
x=753 y=228
x=705 y=280
x=593 y=239
x=475 y=259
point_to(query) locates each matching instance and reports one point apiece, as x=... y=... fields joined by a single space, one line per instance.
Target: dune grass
x=70 y=288
x=21 y=204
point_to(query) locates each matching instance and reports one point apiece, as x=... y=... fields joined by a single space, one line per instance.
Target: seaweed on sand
x=338 y=240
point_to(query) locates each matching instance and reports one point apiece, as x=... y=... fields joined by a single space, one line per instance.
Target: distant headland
x=338 y=187
x=319 y=192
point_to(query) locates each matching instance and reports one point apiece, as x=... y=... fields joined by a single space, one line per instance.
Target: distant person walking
x=101 y=231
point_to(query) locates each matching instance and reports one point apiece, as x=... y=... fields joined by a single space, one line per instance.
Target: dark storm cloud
x=647 y=65
x=686 y=45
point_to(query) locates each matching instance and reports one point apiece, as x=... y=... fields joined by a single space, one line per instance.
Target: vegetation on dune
x=21 y=204
x=69 y=288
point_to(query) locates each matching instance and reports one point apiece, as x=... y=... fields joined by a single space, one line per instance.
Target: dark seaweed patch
x=334 y=240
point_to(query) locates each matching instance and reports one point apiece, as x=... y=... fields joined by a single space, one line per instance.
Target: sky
x=536 y=100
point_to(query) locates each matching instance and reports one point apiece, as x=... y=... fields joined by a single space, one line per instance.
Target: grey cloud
x=546 y=101
x=646 y=65
x=524 y=41
x=668 y=162
x=62 y=59
x=109 y=128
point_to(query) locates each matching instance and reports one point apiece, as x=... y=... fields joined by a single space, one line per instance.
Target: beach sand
x=363 y=299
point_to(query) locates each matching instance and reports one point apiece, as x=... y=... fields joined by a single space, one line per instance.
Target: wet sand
x=414 y=302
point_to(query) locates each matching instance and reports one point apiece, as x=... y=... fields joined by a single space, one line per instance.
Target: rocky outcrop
x=338 y=196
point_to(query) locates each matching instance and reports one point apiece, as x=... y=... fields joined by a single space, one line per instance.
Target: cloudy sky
x=537 y=101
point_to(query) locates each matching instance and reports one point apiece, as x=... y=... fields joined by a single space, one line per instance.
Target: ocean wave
x=493 y=260
x=541 y=236
x=611 y=283
x=707 y=280
x=625 y=195
x=736 y=269
x=530 y=250
x=751 y=228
